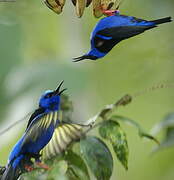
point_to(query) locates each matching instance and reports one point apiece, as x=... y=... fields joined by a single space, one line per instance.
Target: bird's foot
x=110 y=12
x=42 y=165
x=28 y=168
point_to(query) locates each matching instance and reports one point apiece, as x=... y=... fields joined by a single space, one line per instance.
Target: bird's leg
x=39 y=163
x=28 y=168
x=42 y=165
x=109 y=12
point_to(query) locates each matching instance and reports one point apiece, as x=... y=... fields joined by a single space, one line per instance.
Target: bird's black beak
x=57 y=91
x=84 y=57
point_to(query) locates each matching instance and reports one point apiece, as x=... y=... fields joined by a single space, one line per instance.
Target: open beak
x=57 y=91
x=84 y=57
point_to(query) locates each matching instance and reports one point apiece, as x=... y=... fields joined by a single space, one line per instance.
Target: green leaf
x=141 y=131
x=166 y=125
x=34 y=175
x=111 y=131
x=77 y=169
x=58 y=170
x=97 y=156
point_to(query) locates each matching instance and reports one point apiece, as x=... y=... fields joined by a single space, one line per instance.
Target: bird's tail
x=163 y=20
x=11 y=173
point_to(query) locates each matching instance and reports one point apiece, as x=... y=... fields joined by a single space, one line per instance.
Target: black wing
x=123 y=32
x=104 y=45
x=117 y=34
x=37 y=128
x=35 y=114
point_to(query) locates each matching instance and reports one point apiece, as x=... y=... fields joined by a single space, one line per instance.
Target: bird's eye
x=48 y=95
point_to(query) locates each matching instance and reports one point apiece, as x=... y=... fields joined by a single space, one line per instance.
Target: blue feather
x=17 y=161
x=95 y=52
x=119 y=20
x=103 y=37
x=39 y=131
x=51 y=103
x=110 y=30
x=32 y=146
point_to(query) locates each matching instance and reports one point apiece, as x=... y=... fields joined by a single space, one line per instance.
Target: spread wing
x=39 y=132
x=63 y=136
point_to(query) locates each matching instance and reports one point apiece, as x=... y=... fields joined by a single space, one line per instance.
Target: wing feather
x=123 y=32
x=107 y=38
x=63 y=136
x=38 y=126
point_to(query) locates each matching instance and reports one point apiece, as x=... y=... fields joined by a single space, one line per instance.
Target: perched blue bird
x=110 y=30
x=39 y=131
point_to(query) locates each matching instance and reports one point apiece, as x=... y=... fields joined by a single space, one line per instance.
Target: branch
x=14 y=124
x=106 y=112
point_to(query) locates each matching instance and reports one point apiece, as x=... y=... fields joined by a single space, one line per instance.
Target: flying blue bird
x=110 y=30
x=39 y=131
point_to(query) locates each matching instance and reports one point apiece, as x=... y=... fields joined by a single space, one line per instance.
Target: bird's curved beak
x=57 y=91
x=77 y=59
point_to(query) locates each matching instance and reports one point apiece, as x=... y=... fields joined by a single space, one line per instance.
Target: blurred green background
x=36 y=50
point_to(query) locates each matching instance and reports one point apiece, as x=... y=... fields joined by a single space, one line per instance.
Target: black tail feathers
x=10 y=173
x=163 y=20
